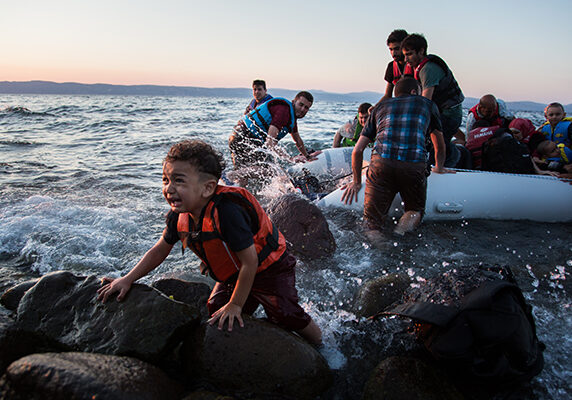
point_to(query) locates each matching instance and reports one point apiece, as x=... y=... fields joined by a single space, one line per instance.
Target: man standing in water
x=396 y=68
x=262 y=128
x=398 y=126
x=437 y=84
x=260 y=95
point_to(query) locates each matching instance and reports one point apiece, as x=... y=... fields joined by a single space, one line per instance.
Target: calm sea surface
x=80 y=190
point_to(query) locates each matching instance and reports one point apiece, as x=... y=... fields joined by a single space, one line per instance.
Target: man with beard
x=396 y=68
x=260 y=130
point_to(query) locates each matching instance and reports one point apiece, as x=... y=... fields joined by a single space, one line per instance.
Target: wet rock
x=8 y=351
x=303 y=225
x=450 y=287
x=194 y=293
x=64 y=308
x=377 y=294
x=259 y=358
x=15 y=344
x=85 y=376
x=404 y=378
x=11 y=297
x=206 y=395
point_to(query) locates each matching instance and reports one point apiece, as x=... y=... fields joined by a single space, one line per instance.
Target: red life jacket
x=497 y=120
x=418 y=68
x=475 y=140
x=407 y=70
x=207 y=243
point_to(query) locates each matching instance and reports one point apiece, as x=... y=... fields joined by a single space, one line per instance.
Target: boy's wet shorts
x=386 y=178
x=275 y=289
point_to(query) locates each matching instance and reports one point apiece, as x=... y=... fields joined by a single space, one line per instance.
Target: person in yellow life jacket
x=557 y=127
x=234 y=238
x=348 y=134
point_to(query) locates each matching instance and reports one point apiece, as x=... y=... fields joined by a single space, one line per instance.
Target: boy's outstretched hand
x=111 y=286
x=229 y=311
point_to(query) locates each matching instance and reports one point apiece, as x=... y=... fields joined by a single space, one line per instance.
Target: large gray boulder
x=303 y=225
x=11 y=297
x=405 y=378
x=64 y=308
x=85 y=376
x=260 y=358
x=194 y=293
x=15 y=344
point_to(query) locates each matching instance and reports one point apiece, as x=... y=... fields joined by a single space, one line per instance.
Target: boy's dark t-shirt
x=234 y=224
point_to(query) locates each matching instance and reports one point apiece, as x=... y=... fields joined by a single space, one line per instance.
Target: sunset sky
x=517 y=50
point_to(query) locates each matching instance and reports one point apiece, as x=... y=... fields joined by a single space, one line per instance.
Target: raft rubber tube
x=483 y=195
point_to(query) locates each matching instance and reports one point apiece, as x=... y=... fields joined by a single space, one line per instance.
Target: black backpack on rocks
x=487 y=336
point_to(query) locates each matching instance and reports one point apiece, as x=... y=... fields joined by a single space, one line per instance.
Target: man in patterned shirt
x=399 y=127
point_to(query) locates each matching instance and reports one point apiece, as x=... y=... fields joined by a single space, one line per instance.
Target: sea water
x=80 y=190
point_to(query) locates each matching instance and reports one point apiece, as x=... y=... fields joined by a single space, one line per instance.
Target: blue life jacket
x=252 y=104
x=565 y=156
x=258 y=120
x=559 y=134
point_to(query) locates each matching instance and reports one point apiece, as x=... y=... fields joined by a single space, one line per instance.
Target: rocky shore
x=58 y=342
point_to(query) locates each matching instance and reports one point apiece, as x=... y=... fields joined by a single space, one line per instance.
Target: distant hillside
x=72 y=88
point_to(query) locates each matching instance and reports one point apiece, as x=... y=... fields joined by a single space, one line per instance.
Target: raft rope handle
x=467 y=170
x=508 y=173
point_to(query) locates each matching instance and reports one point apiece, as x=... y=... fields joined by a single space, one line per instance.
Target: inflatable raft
x=331 y=163
x=464 y=194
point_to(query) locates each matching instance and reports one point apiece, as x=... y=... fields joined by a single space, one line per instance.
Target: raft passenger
x=260 y=95
x=262 y=128
x=557 y=127
x=348 y=134
x=489 y=111
x=398 y=67
x=437 y=84
x=554 y=157
x=238 y=245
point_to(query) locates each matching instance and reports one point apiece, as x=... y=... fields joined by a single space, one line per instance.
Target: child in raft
x=558 y=127
x=234 y=238
x=554 y=157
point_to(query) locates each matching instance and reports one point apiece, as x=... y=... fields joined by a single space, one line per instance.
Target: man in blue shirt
x=398 y=126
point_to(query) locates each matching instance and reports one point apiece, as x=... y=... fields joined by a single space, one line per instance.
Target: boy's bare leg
x=311 y=333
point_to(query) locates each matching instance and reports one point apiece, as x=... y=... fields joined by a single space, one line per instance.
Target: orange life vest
x=207 y=243
x=397 y=74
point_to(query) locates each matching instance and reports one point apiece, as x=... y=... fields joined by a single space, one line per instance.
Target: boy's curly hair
x=200 y=155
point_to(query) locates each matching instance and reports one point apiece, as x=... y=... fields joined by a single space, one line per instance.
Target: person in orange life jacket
x=488 y=112
x=557 y=127
x=234 y=238
x=439 y=85
x=348 y=134
x=260 y=95
x=262 y=128
x=396 y=68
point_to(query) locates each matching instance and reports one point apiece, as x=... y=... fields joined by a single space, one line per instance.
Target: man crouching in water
x=234 y=238
x=398 y=126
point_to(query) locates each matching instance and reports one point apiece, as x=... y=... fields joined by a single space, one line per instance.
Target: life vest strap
x=270 y=246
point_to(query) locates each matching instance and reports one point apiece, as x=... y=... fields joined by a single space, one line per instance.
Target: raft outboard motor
x=308 y=184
